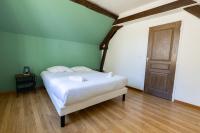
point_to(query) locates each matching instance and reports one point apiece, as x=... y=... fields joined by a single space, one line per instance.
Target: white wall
x=128 y=48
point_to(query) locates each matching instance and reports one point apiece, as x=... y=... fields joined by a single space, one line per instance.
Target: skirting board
x=187 y=104
x=14 y=91
x=175 y=101
x=134 y=89
x=7 y=93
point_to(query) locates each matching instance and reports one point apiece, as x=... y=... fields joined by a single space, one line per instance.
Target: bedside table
x=25 y=82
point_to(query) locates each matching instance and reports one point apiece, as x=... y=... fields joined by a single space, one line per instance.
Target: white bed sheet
x=70 y=92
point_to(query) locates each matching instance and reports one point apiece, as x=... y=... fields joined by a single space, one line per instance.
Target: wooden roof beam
x=195 y=10
x=96 y=8
x=105 y=43
x=164 y=8
x=111 y=33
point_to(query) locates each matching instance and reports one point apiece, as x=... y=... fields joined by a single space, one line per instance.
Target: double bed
x=70 y=95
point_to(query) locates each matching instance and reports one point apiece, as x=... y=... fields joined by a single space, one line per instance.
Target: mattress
x=69 y=92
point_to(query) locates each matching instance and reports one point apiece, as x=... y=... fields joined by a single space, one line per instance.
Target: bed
x=70 y=96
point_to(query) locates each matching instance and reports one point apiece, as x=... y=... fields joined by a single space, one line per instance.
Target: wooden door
x=161 y=59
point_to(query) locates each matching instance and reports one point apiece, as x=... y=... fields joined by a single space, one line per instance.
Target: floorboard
x=140 y=113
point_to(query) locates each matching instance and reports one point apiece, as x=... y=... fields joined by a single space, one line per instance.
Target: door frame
x=174 y=56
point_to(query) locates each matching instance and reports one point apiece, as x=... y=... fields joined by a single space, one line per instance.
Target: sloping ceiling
x=120 y=6
x=57 y=19
x=127 y=7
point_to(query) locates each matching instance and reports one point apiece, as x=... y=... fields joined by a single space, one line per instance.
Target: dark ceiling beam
x=114 y=29
x=157 y=10
x=105 y=43
x=195 y=10
x=96 y=8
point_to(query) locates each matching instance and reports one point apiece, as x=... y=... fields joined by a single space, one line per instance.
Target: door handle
x=147 y=59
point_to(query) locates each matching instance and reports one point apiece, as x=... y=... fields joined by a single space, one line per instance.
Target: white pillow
x=56 y=69
x=81 y=69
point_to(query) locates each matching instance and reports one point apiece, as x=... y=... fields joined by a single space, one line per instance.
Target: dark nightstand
x=25 y=82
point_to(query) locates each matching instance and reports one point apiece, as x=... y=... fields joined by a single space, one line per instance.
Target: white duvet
x=70 y=92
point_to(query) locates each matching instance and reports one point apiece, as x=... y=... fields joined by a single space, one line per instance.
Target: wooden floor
x=141 y=113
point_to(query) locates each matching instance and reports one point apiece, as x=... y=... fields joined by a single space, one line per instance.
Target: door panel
x=160 y=43
x=161 y=59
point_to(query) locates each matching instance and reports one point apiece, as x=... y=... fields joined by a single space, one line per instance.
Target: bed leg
x=62 y=121
x=124 y=97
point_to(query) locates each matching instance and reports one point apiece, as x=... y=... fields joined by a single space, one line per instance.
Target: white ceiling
x=120 y=6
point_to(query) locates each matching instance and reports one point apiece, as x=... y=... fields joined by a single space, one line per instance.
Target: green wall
x=39 y=53
x=44 y=33
x=58 y=19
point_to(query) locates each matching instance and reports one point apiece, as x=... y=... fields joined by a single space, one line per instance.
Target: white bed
x=69 y=96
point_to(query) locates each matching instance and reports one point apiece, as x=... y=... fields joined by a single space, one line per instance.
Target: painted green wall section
x=39 y=53
x=44 y=33
x=58 y=19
